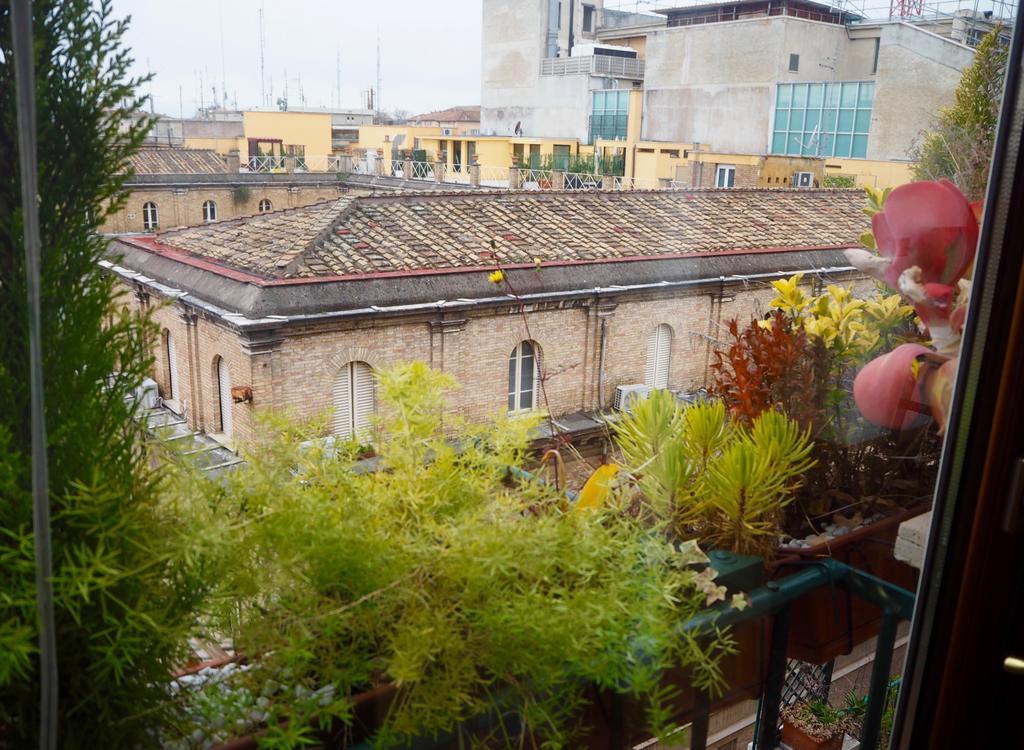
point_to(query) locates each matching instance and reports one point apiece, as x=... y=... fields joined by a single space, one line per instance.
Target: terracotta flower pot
x=797 y=739
x=829 y=622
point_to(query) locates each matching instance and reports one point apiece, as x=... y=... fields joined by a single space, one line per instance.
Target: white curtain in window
x=224 y=391
x=659 y=356
x=354 y=400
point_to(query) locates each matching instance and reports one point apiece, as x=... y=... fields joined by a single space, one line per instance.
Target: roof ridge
x=290 y=261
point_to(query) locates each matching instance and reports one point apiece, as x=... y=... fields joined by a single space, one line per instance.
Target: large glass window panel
x=800 y=95
x=843 y=145
x=860 y=146
x=781 y=119
x=866 y=94
x=825 y=144
x=828 y=120
x=815 y=92
x=862 y=123
x=785 y=95
x=845 y=121
x=779 y=143
x=813 y=119
x=796 y=119
x=849 y=95
x=795 y=147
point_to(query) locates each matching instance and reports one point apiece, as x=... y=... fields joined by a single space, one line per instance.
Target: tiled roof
x=410 y=233
x=452 y=114
x=177 y=161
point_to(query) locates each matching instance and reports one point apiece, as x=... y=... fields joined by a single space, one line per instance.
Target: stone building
x=179 y=187
x=293 y=309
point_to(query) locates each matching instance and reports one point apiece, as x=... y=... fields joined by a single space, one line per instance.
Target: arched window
x=209 y=211
x=150 y=216
x=659 y=356
x=224 y=400
x=523 y=376
x=354 y=400
x=265 y=205
x=171 y=353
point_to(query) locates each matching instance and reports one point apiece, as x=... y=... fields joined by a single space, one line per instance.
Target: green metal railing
x=773 y=600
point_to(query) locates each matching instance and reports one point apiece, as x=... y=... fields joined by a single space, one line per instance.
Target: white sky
x=430 y=50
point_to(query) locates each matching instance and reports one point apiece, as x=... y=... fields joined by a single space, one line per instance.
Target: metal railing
x=773 y=600
x=623 y=67
x=264 y=164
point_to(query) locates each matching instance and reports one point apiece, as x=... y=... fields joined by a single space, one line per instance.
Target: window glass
x=822 y=110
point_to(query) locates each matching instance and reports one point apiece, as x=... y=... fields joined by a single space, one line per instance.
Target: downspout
x=600 y=364
x=572 y=37
x=552 y=38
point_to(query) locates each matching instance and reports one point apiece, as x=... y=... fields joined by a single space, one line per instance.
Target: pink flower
x=929 y=225
x=886 y=389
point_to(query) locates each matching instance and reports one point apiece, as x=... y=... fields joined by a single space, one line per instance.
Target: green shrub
x=439 y=573
x=710 y=478
x=125 y=587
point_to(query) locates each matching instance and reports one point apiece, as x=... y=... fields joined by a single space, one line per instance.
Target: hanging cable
x=24 y=70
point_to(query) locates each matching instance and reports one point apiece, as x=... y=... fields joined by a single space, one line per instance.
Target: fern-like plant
x=438 y=574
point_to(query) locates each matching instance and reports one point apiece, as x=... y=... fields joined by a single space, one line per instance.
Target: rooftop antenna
x=376 y=98
x=202 y=101
x=149 y=71
x=223 y=69
x=263 y=80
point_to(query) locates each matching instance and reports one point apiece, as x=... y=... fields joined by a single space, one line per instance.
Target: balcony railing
x=618 y=67
x=771 y=601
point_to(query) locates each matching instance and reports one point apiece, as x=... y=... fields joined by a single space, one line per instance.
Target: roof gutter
x=241 y=322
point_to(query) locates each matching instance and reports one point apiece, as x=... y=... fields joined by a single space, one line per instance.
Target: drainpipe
x=600 y=364
x=572 y=37
x=552 y=39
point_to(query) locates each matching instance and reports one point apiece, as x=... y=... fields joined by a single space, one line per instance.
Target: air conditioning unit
x=625 y=394
x=803 y=179
x=447 y=131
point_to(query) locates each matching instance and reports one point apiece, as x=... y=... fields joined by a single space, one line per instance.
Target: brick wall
x=294 y=369
x=178 y=207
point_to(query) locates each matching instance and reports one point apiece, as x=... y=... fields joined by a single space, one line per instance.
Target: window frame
x=209 y=211
x=265 y=206
x=729 y=170
x=149 y=223
x=514 y=400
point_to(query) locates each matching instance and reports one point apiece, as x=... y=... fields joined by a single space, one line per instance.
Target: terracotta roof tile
x=439 y=231
x=177 y=161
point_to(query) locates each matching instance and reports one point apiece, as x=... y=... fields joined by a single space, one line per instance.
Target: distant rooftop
x=418 y=233
x=170 y=160
x=469 y=113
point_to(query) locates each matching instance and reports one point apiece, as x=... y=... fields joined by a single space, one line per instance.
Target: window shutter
x=172 y=366
x=363 y=398
x=224 y=385
x=664 y=359
x=343 y=403
x=659 y=356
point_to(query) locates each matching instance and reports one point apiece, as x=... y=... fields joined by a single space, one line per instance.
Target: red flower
x=929 y=225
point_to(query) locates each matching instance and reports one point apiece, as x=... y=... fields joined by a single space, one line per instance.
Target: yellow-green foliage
x=850 y=328
x=438 y=573
x=721 y=482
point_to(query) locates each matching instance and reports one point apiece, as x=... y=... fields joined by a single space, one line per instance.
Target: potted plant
x=814 y=726
x=802 y=359
x=703 y=477
x=434 y=584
